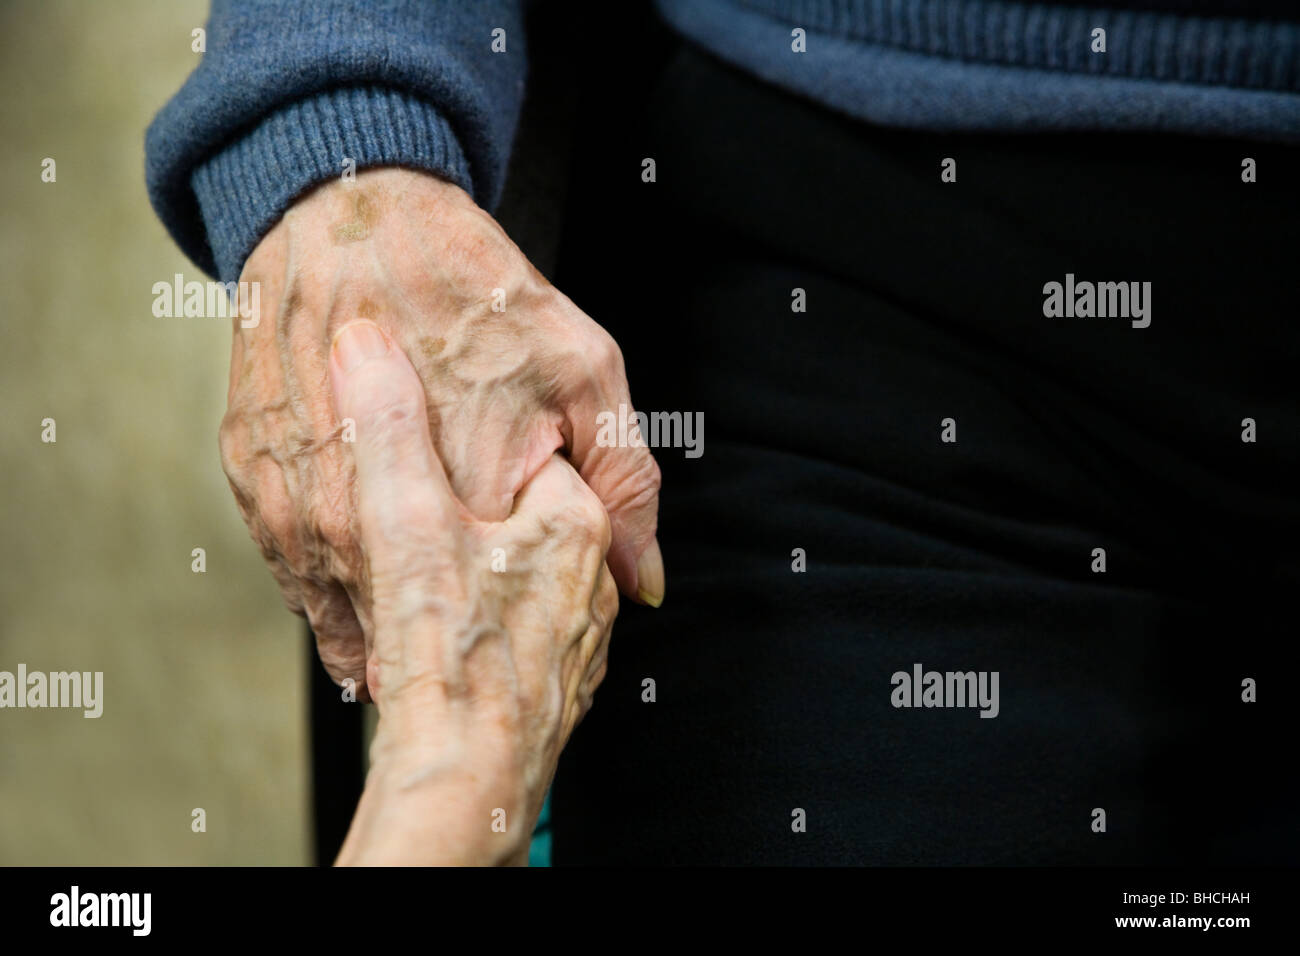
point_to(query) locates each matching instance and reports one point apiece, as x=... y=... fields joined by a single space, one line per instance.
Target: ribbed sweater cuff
x=245 y=188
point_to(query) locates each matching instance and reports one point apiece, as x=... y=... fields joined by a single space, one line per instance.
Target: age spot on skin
x=364 y=216
x=293 y=301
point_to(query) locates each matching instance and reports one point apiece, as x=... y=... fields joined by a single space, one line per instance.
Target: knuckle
x=606 y=354
x=230 y=443
x=594 y=682
x=607 y=603
x=580 y=519
x=590 y=514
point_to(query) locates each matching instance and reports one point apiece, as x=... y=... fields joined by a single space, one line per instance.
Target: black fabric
x=822 y=431
x=338 y=758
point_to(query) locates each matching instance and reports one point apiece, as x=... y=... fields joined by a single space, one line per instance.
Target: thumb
x=405 y=504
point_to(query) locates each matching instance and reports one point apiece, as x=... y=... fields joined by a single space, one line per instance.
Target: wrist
x=428 y=804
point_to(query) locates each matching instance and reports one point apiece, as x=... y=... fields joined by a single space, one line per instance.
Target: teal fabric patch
x=539 y=852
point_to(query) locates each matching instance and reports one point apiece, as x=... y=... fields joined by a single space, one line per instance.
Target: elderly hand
x=489 y=637
x=504 y=390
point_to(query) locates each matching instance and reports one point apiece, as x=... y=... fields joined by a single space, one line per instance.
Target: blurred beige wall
x=204 y=702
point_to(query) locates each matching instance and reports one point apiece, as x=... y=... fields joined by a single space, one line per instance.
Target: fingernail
x=650 y=575
x=358 y=342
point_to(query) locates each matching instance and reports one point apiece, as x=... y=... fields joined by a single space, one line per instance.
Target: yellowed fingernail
x=650 y=575
x=358 y=341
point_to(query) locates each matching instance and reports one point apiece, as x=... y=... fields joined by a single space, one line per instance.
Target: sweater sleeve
x=289 y=89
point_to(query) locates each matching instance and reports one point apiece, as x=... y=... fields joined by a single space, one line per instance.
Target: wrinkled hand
x=489 y=637
x=504 y=390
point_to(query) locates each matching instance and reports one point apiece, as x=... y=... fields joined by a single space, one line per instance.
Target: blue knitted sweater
x=288 y=88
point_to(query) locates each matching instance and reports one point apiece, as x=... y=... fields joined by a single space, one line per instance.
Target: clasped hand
x=413 y=445
x=488 y=637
